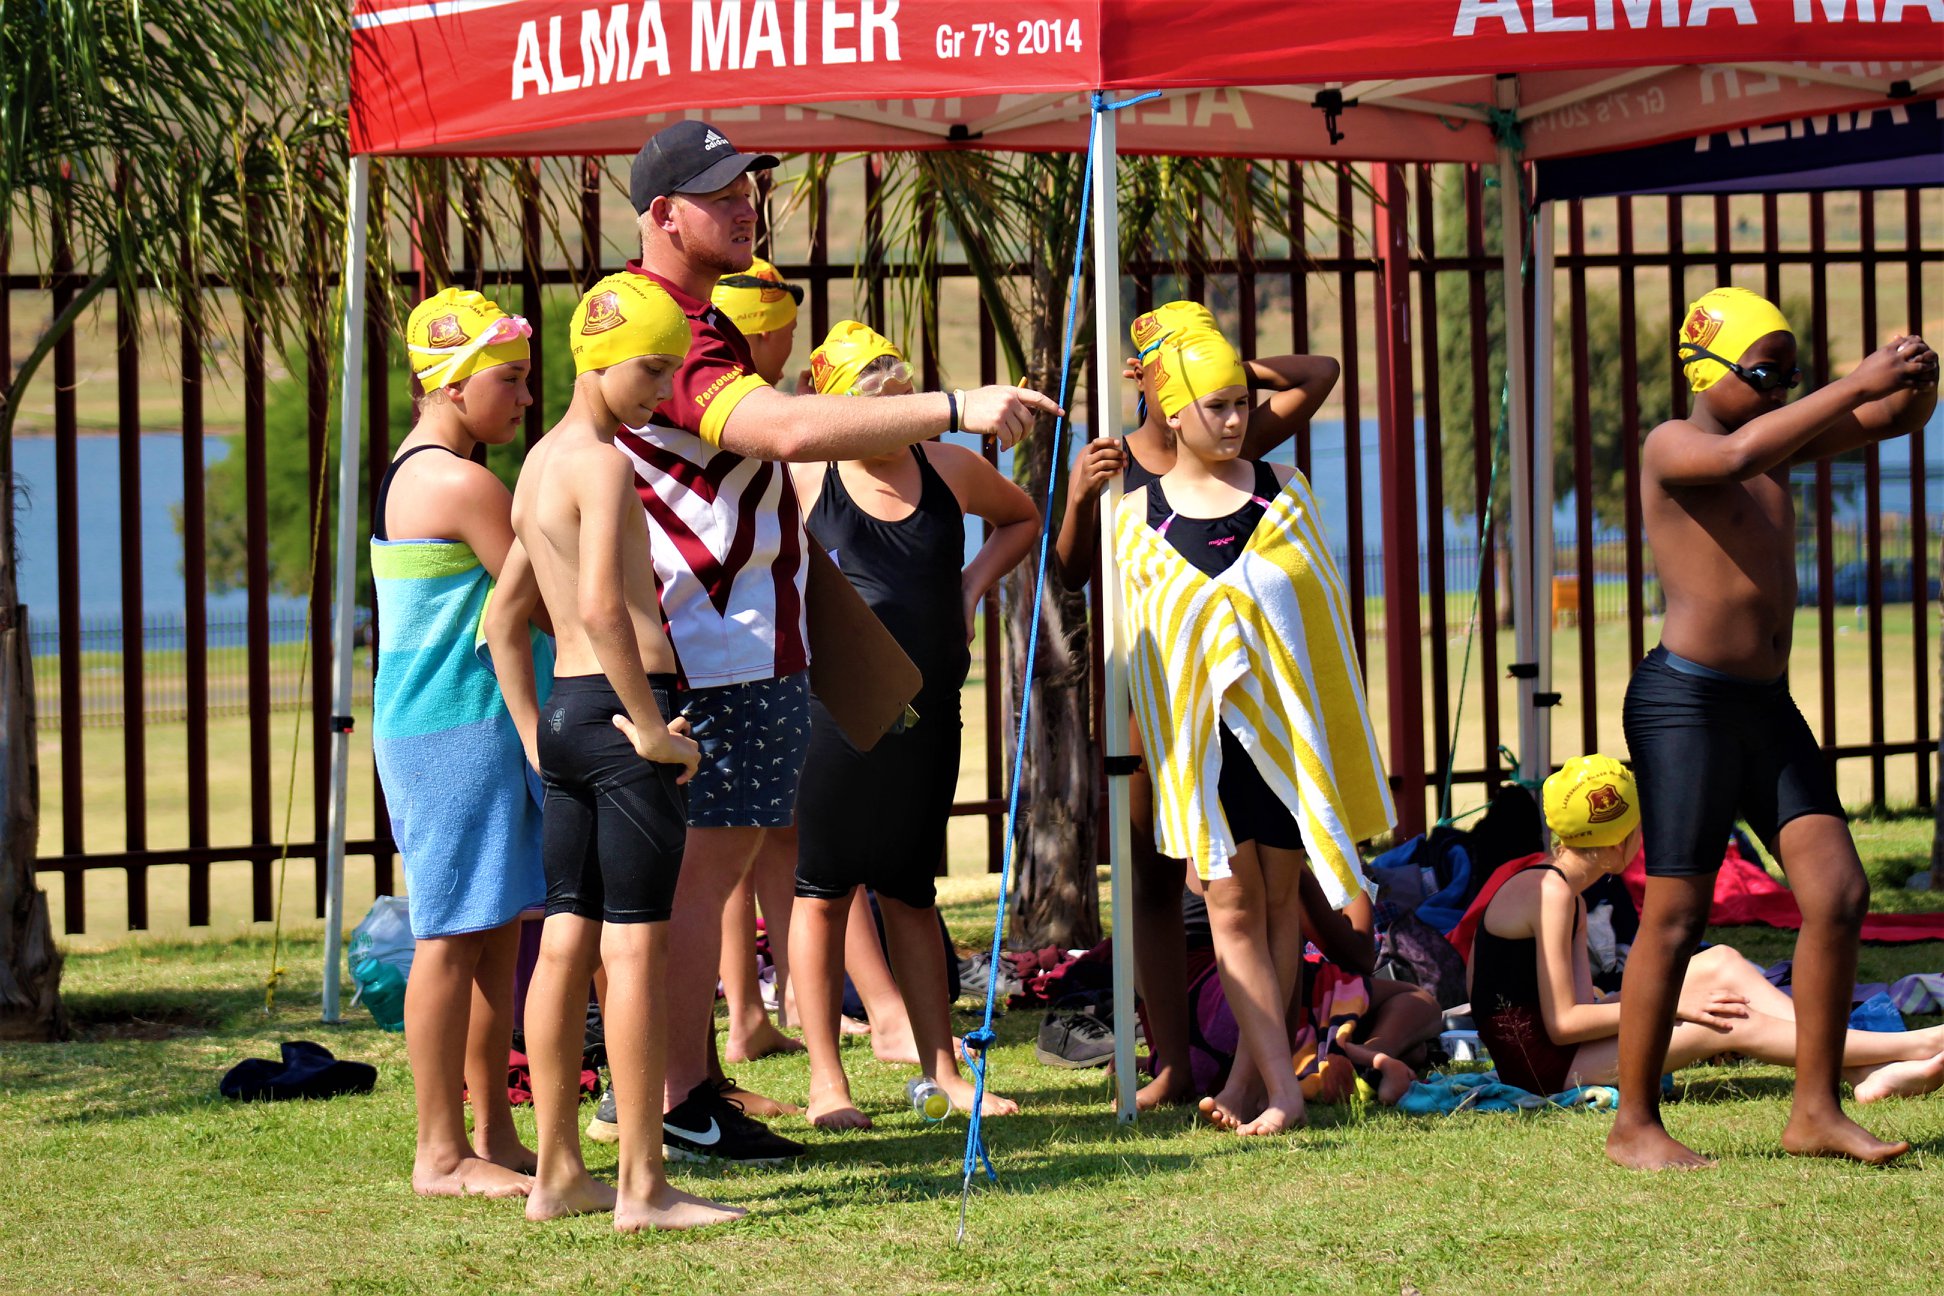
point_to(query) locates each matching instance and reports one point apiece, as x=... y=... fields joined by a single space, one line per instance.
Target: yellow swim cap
x=1170 y=317
x=623 y=316
x=453 y=334
x=757 y=300
x=836 y=364
x=1725 y=322
x=1190 y=364
x=1592 y=802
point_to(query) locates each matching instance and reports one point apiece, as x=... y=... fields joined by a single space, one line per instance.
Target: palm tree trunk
x=30 y=965
x=1057 y=897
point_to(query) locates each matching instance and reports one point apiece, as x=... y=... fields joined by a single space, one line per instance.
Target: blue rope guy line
x=980 y=1041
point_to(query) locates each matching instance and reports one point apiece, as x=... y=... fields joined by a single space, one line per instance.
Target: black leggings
x=614 y=824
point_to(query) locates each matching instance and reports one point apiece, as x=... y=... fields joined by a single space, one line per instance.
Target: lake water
x=161 y=485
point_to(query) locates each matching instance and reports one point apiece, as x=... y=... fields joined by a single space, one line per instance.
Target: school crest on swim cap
x=445 y=332
x=1169 y=317
x=1725 y=321
x=1701 y=327
x=603 y=313
x=1592 y=802
x=757 y=300
x=624 y=316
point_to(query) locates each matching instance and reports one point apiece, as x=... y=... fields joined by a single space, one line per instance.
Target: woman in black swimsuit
x=1532 y=985
x=896 y=527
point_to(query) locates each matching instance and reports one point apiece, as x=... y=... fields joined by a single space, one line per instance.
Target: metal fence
x=1324 y=296
x=164 y=673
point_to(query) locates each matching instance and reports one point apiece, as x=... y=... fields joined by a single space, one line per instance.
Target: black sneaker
x=602 y=1128
x=1074 y=1039
x=705 y=1126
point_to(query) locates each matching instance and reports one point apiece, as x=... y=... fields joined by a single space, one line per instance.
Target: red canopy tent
x=1381 y=80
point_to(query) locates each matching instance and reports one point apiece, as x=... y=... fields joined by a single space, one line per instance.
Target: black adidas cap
x=688 y=157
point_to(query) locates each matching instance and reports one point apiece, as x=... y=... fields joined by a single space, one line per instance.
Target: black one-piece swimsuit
x=878 y=818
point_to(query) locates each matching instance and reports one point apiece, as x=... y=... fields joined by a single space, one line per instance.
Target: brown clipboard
x=857 y=670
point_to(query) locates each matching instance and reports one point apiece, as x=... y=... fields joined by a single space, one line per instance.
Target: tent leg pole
x=1396 y=410
x=1511 y=240
x=1107 y=343
x=1540 y=759
x=350 y=462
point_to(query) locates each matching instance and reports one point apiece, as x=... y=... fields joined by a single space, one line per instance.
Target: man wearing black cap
x=728 y=547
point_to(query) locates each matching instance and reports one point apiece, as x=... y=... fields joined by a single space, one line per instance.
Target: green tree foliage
x=169 y=142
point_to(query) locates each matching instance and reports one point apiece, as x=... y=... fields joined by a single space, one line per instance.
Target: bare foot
x=756 y=1104
x=1650 y=1147
x=584 y=1195
x=1396 y=1079
x=895 y=1045
x=1279 y=1117
x=1901 y=1079
x=760 y=1043
x=852 y=1026
x=670 y=1209
x=1838 y=1136
x=1239 y=1102
x=470 y=1176
x=959 y=1090
x=506 y=1150
x=832 y=1109
x=1171 y=1088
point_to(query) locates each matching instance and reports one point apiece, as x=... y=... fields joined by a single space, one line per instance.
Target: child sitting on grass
x=1532 y=983
x=1249 y=702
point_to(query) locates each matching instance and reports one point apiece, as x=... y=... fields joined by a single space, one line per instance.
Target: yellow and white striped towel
x=1266 y=648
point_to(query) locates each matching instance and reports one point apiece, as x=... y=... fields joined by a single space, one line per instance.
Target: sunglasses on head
x=756 y=281
x=1763 y=377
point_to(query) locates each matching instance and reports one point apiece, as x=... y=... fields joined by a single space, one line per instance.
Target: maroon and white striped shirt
x=726 y=531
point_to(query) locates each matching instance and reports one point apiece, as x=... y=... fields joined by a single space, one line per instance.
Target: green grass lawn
x=126 y=1172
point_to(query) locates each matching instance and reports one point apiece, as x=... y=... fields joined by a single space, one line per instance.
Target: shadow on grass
x=157 y=1014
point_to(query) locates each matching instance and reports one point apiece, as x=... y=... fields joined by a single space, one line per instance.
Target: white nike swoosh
x=707 y=1138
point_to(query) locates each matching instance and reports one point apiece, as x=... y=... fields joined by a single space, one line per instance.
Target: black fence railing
x=165 y=674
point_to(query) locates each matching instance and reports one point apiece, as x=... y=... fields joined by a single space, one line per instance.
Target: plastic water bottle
x=927 y=1099
x=381 y=988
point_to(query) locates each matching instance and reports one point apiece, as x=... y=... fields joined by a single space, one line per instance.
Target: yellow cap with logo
x=1149 y=328
x=1724 y=323
x=1592 y=802
x=1190 y=364
x=455 y=333
x=757 y=300
x=836 y=364
x=623 y=316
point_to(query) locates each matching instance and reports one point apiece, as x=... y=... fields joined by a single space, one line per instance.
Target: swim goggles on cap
x=757 y=281
x=507 y=328
x=1763 y=377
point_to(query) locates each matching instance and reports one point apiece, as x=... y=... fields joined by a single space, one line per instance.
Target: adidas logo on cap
x=714 y=141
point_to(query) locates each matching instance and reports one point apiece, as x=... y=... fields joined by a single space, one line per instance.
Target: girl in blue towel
x=455 y=767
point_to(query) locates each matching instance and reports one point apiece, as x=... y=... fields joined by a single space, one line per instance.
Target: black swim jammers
x=614 y=824
x=1709 y=748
